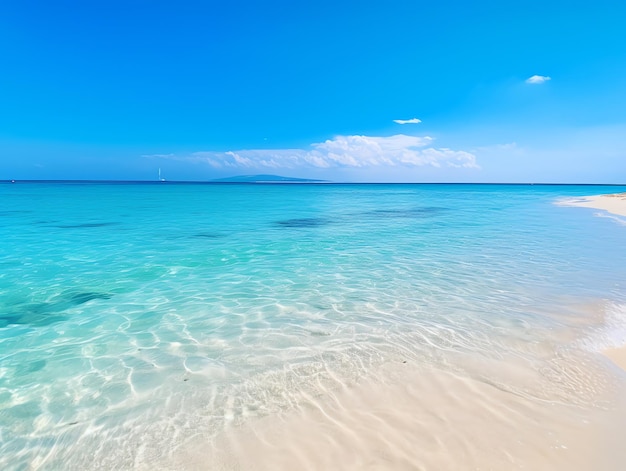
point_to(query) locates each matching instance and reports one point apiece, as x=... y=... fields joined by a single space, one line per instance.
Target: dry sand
x=615 y=203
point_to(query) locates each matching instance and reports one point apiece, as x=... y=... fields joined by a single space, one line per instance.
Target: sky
x=360 y=91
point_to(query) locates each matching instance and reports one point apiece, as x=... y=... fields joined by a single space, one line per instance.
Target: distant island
x=265 y=179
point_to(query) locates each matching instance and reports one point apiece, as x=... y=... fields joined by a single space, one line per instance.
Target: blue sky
x=202 y=90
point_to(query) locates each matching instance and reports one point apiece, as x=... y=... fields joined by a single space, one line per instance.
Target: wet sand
x=616 y=204
x=418 y=418
x=617 y=356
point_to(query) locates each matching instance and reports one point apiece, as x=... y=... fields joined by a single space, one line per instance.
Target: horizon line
x=287 y=182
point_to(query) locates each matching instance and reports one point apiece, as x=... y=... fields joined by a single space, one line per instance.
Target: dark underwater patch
x=303 y=222
x=46 y=313
x=34 y=315
x=31 y=367
x=405 y=213
x=81 y=298
x=207 y=235
x=86 y=225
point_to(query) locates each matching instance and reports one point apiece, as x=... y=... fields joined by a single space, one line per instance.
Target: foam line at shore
x=615 y=204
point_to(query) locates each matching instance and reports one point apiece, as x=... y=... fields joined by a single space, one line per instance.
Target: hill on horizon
x=266 y=179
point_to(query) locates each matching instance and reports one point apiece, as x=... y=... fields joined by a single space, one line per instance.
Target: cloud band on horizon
x=354 y=151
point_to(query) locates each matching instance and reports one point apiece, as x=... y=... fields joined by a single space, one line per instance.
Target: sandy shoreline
x=616 y=204
x=414 y=417
x=612 y=203
x=424 y=418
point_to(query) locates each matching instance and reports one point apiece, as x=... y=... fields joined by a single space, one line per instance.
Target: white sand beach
x=613 y=203
x=415 y=417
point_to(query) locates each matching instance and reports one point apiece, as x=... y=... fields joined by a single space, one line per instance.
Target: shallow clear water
x=134 y=317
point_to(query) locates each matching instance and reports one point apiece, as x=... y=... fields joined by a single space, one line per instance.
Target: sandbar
x=612 y=203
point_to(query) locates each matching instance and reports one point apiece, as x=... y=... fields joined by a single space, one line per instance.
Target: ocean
x=140 y=320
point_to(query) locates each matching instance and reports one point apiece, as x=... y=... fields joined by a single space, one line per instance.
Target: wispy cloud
x=537 y=79
x=160 y=156
x=340 y=152
x=407 y=121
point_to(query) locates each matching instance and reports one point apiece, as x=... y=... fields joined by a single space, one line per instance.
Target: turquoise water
x=134 y=317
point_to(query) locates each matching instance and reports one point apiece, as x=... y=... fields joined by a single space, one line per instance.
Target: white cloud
x=537 y=79
x=355 y=151
x=407 y=121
